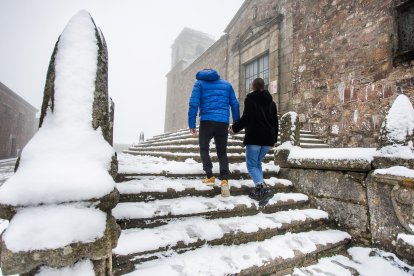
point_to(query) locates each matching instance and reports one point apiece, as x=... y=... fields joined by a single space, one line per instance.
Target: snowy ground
x=361 y=261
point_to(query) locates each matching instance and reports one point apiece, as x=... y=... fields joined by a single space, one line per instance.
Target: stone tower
x=187 y=47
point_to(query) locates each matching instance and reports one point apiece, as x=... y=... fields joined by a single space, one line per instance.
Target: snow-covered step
x=186 y=141
x=313 y=145
x=186 y=148
x=361 y=261
x=196 y=231
x=147 y=188
x=182 y=156
x=134 y=165
x=254 y=258
x=159 y=212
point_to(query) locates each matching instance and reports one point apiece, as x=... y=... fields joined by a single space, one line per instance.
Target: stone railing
x=367 y=191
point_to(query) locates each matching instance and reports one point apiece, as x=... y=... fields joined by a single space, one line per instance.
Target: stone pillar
x=390 y=193
x=289 y=136
x=64 y=185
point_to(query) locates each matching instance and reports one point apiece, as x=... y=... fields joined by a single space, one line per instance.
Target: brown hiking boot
x=209 y=181
x=225 y=188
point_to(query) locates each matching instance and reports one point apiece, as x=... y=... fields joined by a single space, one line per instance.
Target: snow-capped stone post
x=390 y=187
x=59 y=201
x=289 y=136
x=395 y=145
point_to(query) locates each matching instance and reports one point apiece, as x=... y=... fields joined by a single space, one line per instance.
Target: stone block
x=385 y=225
x=351 y=217
x=26 y=262
x=338 y=185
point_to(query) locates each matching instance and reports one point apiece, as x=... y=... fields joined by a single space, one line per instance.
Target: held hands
x=193 y=132
x=231 y=130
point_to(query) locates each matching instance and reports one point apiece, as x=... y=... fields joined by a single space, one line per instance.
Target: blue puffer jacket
x=214 y=96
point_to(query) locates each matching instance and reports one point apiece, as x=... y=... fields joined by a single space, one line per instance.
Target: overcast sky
x=138 y=33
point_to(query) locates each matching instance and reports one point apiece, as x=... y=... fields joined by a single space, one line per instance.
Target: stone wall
x=331 y=61
x=17 y=122
x=344 y=76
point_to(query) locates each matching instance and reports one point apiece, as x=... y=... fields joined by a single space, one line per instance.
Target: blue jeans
x=254 y=157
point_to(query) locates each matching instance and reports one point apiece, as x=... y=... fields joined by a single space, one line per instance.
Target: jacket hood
x=207 y=75
x=261 y=97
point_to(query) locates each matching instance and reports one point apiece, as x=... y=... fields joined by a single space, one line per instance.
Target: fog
x=138 y=33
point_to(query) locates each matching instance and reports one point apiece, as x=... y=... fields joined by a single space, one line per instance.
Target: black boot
x=265 y=194
x=255 y=193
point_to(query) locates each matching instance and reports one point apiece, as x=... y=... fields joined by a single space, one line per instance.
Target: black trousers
x=218 y=131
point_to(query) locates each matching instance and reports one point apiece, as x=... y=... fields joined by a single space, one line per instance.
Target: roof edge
x=237 y=15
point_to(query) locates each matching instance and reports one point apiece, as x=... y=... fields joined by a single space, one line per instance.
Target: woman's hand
x=231 y=130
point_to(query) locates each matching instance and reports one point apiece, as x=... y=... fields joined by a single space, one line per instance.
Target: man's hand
x=193 y=132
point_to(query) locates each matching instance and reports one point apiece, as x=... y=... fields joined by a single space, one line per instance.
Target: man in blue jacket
x=214 y=97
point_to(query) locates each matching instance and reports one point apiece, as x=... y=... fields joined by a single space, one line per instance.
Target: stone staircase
x=171 y=223
x=181 y=145
x=175 y=225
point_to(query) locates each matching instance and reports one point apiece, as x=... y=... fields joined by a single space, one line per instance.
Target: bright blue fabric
x=254 y=158
x=214 y=97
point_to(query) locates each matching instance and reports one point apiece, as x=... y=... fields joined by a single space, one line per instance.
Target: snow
x=406 y=238
x=357 y=154
x=137 y=164
x=190 y=230
x=163 y=184
x=3 y=225
x=225 y=260
x=399 y=124
x=56 y=164
x=363 y=261
x=51 y=227
x=84 y=268
x=6 y=169
x=397 y=171
x=193 y=205
x=400 y=119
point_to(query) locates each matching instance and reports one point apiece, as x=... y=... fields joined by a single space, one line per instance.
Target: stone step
x=358 y=261
x=136 y=245
x=182 y=156
x=123 y=177
x=160 y=212
x=313 y=145
x=186 y=141
x=149 y=188
x=276 y=256
x=186 y=149
x=132 y=166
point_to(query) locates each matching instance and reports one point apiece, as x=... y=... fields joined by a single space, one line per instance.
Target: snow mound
x=67 y=160
x=84 y=268
x=397 y=171
x=51 y=227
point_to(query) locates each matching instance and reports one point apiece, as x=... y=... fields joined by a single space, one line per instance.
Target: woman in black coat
x=261 y=124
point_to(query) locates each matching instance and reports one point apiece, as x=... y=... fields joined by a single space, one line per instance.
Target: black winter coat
x=259 y=119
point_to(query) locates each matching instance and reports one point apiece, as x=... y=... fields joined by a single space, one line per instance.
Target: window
x=258 y=68
x=405 y=25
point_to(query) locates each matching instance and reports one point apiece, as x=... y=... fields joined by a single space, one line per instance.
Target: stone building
x=337 y=63
x=17 y=122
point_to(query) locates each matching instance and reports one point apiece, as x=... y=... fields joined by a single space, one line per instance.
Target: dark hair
x=258 y=84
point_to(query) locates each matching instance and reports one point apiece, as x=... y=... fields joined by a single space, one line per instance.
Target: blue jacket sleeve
x=234 y=104
x=193 y=106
